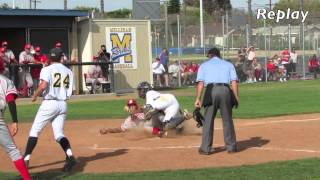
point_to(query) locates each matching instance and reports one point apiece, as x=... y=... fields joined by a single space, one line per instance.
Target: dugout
x=40 y=28
x=129 y=44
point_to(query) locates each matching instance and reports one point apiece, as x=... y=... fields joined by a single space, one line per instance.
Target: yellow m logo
x=122 y=45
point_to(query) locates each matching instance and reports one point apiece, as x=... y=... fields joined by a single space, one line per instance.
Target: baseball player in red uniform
x=25 y=79
x=135 y=119
x=56 y=82
x=8 y=94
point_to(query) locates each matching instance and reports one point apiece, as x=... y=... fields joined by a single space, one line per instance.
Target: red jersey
x=285 y=55
x=271 y=66
x=314 y=62
x=194 y=68
x=35 y=71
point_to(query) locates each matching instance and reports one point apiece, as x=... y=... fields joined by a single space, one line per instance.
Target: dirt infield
x=263 y=140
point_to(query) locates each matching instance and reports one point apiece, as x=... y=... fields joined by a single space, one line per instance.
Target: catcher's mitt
x=149 y=111
x=197 y=116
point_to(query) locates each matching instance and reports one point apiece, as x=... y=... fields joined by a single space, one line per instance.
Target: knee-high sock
x=64 y=143
x=22 y=168
x=32 y=142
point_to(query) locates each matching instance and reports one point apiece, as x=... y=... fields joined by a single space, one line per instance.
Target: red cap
x=37 y=49
x=58 y=44
x=2 y=50
x=27 y=46
x=44 y=59
x=132 y=102
x=4 y=43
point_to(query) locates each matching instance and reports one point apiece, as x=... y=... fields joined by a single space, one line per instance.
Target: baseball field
x=277 y=127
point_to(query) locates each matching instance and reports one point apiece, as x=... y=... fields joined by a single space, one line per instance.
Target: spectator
x=257 y=70
x=13 y=70
x=25 y=79
x=158 y=70
x=64 y=58
x=282 y=71
x=242 y=54
x=239 y=66
x=249 y=65
x=6 y=62
x=285 y=58
x=174 y=70
x=104 y=56
x=293 y=59
x=95 y=76
x=314 y=66
x=193 y=72
x=35 y=70
x=185 y=73
x=271 y=68
x=164 y=59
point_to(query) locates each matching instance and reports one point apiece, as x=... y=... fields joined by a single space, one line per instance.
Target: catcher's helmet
x=143 y=88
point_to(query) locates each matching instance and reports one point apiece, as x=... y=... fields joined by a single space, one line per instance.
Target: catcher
x=135 y=119
x=163 y=110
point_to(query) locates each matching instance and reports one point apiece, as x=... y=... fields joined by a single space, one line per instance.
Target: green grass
x=297 y=169
x=256 y=100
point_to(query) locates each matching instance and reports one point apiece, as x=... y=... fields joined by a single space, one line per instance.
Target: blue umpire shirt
x=217 y=70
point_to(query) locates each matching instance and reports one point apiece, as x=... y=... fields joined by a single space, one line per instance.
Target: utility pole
x=249 y=22
x=201 y=23
x=166 y=23
x=30 y=4
x=102 y=6
x=35 y=3
x=301 y=26
x=65 y=4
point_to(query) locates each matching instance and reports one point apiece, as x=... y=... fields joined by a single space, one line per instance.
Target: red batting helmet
x=58 y=45
x=132 y=102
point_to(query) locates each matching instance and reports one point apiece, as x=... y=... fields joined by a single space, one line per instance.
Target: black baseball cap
x=55 y=54
x=214 y=51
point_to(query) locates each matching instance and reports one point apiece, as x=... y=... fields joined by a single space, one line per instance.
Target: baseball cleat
x=70 y=162
x=26 y=162
x=186 y=114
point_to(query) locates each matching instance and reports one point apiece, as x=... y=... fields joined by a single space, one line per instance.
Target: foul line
x=279 y=121
x=95 y=147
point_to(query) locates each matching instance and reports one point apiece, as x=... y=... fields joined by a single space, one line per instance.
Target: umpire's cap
x=55 y=54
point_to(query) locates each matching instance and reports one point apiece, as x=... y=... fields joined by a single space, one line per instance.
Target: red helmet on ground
x=27 y=46
x=58 y=45
x=37 y=49
x=44 y=59
x=132 y=102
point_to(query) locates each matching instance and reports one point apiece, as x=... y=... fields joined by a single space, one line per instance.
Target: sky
x=111 y=5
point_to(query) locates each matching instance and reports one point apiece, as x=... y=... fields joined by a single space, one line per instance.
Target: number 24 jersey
x=60 y=82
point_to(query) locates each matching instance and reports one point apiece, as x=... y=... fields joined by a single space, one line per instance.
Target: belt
x=219 y=84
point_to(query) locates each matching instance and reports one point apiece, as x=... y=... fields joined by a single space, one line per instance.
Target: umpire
x=216 y=74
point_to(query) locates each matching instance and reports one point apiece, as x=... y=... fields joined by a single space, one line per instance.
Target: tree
x=4 y=6
x=174 y=7
x=312 y=6
x=120 y=13
x=86 y=8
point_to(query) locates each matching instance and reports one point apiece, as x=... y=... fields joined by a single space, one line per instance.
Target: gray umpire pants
x=220 y=100
x=7 y=142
